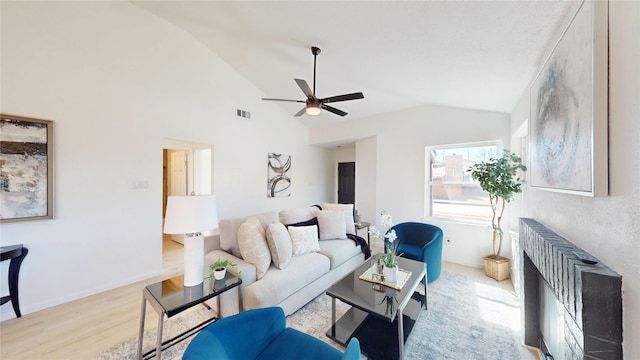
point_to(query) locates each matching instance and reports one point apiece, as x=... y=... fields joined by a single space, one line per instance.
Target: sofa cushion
x=338 y=251
x=229 y=230
x=277 y=285
x=292 y=216
x=304 y=239
x=253 y=245
x=312 y=221
x=331 y=224
x=279 y=243
x=348 y=215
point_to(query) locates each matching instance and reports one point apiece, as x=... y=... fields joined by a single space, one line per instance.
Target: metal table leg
x=141 y=334
x=159 y=340
x=333 y=317
x=400 y=334
x=425 y=291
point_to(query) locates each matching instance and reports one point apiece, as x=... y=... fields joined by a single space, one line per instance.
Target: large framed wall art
x=26 y=162
x=568 y=114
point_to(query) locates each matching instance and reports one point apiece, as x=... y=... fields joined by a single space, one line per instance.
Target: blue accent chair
x=262 y=334
x=421 y=242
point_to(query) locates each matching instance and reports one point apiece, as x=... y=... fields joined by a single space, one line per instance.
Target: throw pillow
x=304 y=239
x=348 y=215
x=253 y=245
x=297 y=215
x=279 y=243
x=332 y=224
x=309 y=222
x=229 y=230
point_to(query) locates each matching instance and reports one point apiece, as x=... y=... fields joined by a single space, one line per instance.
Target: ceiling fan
x=314 y=104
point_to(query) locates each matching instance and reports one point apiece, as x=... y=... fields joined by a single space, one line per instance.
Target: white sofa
x=305 y=277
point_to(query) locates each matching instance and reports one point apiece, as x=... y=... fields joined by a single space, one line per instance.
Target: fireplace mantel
x=591 y=294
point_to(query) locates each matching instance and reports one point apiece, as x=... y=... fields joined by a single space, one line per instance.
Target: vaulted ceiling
x=468 y=54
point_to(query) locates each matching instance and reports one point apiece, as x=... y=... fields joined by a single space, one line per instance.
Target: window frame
x=428 y=208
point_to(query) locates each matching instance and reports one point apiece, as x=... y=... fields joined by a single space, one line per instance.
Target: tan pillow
x=292 y=216
x=253 y=245
x=304 y=239
x=280 y=246
x=229 y=230
x=332 y=224
x=348 y=215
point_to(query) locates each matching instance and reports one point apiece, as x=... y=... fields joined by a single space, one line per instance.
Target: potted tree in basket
x=499 y=178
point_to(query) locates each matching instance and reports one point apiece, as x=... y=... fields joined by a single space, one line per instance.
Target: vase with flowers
x=390 y=257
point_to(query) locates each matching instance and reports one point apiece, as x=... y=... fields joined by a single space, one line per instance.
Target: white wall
x=366 y=155
x=117 y=81
x=399 y=165
x=608 y=227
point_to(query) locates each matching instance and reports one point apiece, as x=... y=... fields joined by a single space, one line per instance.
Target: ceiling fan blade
x=271 y=99
x=334 y=110
x=345 y=97
x=305 y=88
x=301 y=112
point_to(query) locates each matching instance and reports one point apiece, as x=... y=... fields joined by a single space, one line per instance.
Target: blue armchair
x=262 y=334
x=421 y=242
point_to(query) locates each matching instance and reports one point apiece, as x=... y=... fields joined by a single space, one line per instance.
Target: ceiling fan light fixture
x=313 y=109
x=313 y=104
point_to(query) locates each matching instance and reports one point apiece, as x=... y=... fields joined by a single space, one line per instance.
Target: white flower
x=373 y=231
x=391 y=236
x=385 y=219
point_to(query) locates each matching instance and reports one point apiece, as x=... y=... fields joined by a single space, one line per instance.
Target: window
x=451 y=192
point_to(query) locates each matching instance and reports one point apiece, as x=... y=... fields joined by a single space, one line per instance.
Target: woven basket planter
x=496 y=268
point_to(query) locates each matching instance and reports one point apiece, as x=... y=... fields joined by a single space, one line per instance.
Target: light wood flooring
x=83 y=328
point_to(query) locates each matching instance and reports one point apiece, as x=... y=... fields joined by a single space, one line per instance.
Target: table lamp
x=191 y=215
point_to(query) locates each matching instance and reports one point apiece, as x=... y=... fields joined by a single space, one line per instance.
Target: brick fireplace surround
x=591 y=294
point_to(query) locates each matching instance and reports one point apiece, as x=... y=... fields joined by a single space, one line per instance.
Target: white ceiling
x=477 y=55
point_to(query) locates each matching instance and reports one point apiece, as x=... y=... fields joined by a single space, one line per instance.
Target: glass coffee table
x=170 y=297
x=380 y=317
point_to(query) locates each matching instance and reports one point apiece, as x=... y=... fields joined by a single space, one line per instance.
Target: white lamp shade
x=190 y=214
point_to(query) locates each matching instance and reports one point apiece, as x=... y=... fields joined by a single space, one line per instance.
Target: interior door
x=346 y=182
x=178 y=172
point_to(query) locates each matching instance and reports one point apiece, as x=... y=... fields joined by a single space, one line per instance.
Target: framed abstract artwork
x=26 y=160
x=568 y=113
x=278 y=181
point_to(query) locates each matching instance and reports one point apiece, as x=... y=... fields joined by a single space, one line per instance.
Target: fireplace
x=589 y=297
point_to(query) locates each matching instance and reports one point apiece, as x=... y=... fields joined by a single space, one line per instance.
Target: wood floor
x=83 y=328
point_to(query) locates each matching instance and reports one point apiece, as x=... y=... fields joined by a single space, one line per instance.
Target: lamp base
x=193 y=260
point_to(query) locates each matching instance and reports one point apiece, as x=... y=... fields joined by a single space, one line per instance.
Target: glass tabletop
x=174 y=297
x=375 y=298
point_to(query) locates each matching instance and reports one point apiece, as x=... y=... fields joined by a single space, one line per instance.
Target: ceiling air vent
x=244 y=114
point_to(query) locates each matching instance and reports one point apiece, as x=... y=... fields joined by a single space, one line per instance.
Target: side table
x=364 y=225
x=170 y=297
x=15 y=253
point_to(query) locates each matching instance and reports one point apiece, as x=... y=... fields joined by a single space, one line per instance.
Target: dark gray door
x=346 y=183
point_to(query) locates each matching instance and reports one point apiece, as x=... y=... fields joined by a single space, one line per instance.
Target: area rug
x=465 y=320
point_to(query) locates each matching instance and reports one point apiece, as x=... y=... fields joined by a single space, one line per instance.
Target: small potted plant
x=499 y=178
x=219 y=268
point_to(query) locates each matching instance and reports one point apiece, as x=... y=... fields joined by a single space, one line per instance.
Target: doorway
x=187 y=169
x=346 y=182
